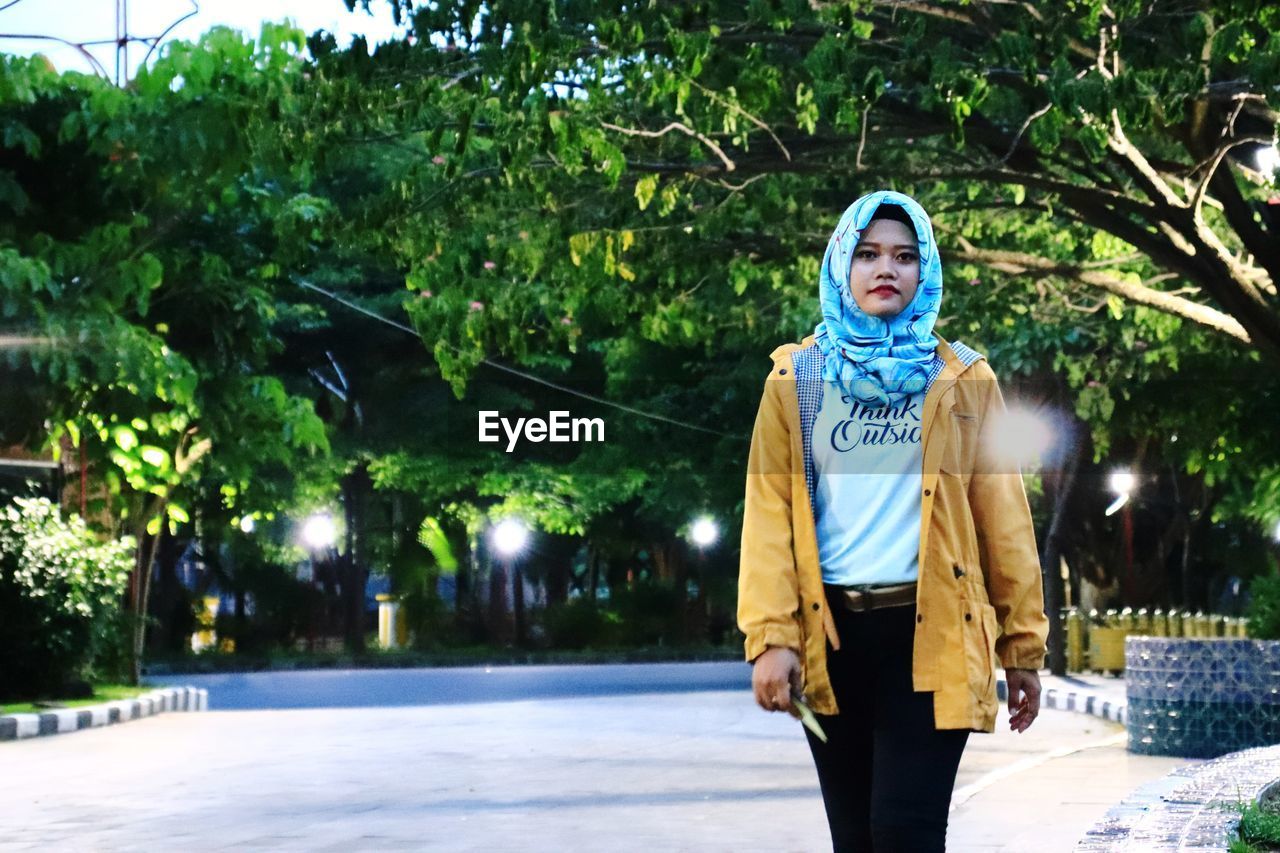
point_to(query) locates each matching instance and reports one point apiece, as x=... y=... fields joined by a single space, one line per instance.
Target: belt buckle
x=863 y=601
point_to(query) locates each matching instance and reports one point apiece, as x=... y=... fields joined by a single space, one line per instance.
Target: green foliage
x=581 y=624
x=1264 y=607
x=59 y=591
x=1259 y=827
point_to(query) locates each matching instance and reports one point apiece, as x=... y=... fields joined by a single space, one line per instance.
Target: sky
x=95 y=20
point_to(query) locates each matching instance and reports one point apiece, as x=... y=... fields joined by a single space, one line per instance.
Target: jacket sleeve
x=768 y=588
x=1006 y=540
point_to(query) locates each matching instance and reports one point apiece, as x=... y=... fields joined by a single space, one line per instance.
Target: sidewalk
x=1046 y=794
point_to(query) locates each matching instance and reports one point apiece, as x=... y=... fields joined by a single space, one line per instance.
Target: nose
x=885 y=267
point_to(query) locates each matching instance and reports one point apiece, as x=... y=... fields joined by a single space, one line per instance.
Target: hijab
x=877 y=361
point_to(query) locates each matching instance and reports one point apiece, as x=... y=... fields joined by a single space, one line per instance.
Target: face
x=885 y=270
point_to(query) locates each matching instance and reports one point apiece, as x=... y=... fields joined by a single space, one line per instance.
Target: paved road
x=696 y=770
x=384 y=688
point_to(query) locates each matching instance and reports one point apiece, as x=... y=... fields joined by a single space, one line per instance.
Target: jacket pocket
x=978 y=624
x=962 y=438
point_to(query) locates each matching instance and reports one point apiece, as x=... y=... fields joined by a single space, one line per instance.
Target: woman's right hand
x=773 y=676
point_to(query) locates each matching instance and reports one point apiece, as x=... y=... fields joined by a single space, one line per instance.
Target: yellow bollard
x=1112 y=618
x=1075 y=640
x=1159 y=624
x=388 y=621
x=1175 y=622
x=1106 y=649
x=1202 y=624
x=1142 y=622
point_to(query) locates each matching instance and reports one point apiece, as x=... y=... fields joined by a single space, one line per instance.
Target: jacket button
x=816 y=606
x=919 y=618
x=968 y=617
x=782 y=372
x=927 y=493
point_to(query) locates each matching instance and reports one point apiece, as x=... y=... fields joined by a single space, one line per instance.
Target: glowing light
x=247 y=524
x=319 y=531
x=1122 y=481
x=704 y=532
x=510 y=536
x=1023 y=436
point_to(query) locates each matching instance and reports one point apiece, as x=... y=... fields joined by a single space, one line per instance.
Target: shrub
x=1264 y=607
x=59 y=597
x=580 y=624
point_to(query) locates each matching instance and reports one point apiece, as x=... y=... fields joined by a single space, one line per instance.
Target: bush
x=652 y=613
x=580 y=624
x=59 y=597
x=1264 y=607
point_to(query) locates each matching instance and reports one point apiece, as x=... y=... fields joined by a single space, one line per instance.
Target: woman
x=889 y=564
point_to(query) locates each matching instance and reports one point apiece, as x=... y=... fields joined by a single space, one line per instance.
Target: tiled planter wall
x=1201 y=697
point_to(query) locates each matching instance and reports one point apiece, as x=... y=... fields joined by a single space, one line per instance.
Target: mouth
x=885 y=290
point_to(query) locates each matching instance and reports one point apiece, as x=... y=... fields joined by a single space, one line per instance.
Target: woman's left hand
x=1024 y=697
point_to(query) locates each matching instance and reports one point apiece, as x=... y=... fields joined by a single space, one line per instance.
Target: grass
x=1259 y=828
x=101 y=693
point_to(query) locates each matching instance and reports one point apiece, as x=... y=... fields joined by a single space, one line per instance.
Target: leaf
x=433 y=538
x=154 y=456
x=1115 y=306
x=125 y=438
x=645 y=188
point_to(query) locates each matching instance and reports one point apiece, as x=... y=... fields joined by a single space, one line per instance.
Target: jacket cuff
x=759 y=641
x=1027 y=654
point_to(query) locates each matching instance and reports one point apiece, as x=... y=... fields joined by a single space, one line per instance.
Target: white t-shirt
x=867 y=465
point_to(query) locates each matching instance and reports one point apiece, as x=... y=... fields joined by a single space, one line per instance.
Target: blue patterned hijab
x=878 y=362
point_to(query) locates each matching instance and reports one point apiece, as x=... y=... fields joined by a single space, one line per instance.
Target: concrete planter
x=1201 y=697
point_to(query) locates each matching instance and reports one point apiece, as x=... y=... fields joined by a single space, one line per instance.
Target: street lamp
x=1122 y=483
x=319 y=531
x=704 y=532
x=509 y=537
x=247 y=524
x=318 y=534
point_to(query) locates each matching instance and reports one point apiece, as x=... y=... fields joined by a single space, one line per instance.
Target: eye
x=907 y=257
x=864 y=253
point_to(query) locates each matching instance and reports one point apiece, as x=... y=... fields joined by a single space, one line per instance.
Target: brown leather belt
x=860 y=598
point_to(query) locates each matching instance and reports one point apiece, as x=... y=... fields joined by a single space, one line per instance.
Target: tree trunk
x=1050 y=563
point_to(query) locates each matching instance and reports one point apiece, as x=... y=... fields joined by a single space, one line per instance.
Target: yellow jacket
x=979 y=601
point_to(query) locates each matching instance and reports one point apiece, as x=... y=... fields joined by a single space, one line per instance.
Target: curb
x=60 y=721
x=1191 y=809
x=1079 y=701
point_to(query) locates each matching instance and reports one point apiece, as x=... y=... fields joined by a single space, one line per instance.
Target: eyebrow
x=911 y=246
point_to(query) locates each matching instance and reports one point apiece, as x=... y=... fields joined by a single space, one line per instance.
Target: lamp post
x=509 y=538
x=704 y=533
x=318 y=535
x=1122 y=483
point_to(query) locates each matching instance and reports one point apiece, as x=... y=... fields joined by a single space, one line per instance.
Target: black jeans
x=886 y=773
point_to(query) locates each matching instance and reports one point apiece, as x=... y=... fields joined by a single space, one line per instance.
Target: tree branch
x=1020 y=262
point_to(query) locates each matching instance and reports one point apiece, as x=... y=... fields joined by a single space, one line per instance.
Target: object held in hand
x=801 y=711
